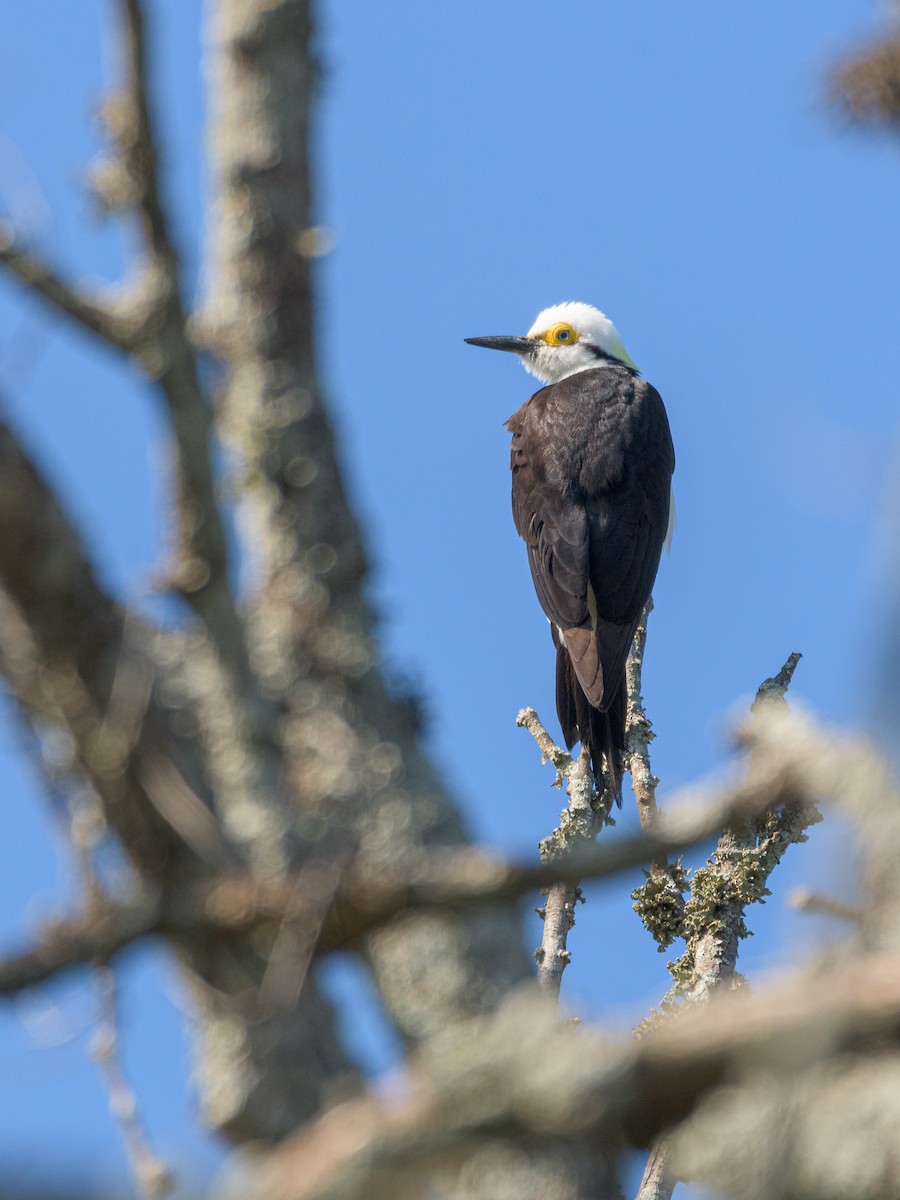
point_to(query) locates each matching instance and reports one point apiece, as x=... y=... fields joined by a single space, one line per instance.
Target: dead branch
x=736 y=874
x=153 y=1180
x=805 y=900
x=579 y=824
x=104 y=317
x=866 y=84
x=660 y=901
x=638 y=731
x=351 y=758
x=774 y=689
x=95 y=937
x=200 y=571
x=713 y=917
x=62 y=645
x=147 y=320
x=366 y=1147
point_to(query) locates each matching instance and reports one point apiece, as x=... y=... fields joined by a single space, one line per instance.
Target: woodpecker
x=592 y=462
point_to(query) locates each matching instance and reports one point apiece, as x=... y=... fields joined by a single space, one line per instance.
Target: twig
x=200 y=572
x=581 y=821
x=774 y=690
x=827 y=906
x=579 y=824
x=559 y=758
x=114 y=324
x=152 y=1178
x=298 y=933
x=736 y=874
x=659 y=902
x=638 y=731
x=136 y=139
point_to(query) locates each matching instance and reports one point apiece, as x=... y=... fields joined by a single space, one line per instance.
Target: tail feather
x=601 y=733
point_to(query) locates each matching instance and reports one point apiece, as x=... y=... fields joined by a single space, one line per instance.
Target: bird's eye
x=560 y=335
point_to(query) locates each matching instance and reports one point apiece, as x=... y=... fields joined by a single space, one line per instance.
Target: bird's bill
x=517 y=345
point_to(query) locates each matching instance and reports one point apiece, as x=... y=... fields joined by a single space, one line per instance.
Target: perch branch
x=200 y=572
x=713 y=917
x=804 y=900
x=559 y=758
x=638 y=731
x=737 y=873
x=147 y=321
x=94 y=937
x=579 y=824
x=659 y=902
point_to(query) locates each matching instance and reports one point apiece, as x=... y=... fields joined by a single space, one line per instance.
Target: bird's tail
x=600 y=732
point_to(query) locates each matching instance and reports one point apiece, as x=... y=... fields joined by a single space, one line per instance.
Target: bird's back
x=592 y=462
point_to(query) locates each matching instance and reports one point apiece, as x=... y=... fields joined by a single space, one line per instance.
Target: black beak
x=518 y=345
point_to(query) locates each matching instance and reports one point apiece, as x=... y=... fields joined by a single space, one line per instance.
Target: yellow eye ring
x=560 y=334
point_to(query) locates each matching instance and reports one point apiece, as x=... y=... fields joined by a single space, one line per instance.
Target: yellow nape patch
x=560 y=334
x=622 y=353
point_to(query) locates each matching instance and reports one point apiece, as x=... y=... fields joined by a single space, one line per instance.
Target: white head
x=564 y=339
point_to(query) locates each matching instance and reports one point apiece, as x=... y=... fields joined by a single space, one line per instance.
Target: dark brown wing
x=628 y=518
x=592 y=461
x=551 y=523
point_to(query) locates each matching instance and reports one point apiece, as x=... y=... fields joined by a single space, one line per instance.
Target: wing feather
x=592 y=462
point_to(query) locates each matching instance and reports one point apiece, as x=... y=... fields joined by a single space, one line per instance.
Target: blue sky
x=675 y=165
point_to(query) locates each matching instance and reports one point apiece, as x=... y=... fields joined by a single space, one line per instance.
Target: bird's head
x=564 y=339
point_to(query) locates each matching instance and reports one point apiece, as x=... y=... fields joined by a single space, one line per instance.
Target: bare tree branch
x=866 y=85
x=102 y=316
x=152 y=1178
x=136 y=140
x=774 y=689
x=658 y=1181
x=200 y=572
x=713 y=917
x=559 y=758
x=62 y=662
x=660 y=901
x=352 y=754
x=147 y=321
x=736 y=875
x=579 y=824
x=579 y=1081
x=805 y=900
x=638 y=732
x=95 y=937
